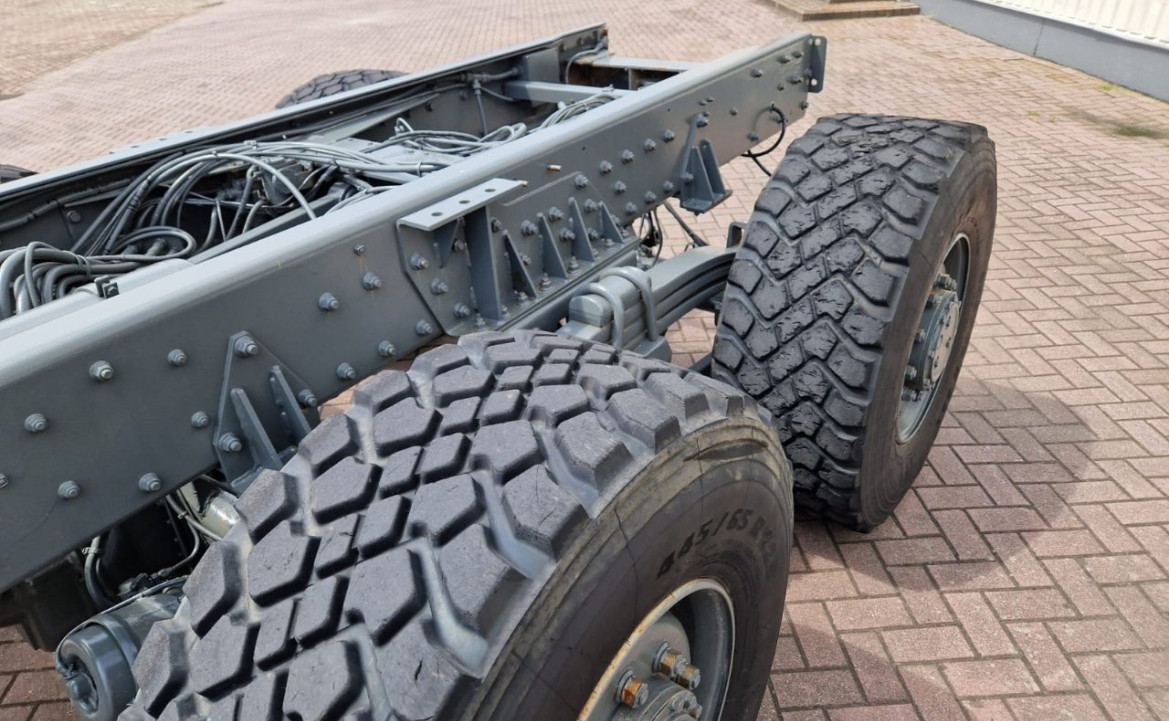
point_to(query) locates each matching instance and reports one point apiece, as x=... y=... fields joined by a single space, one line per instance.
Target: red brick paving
x=1025 y=575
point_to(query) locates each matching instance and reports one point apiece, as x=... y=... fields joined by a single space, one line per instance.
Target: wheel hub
x=660 y=672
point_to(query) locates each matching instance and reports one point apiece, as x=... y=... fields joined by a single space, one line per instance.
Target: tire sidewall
x=965 y=200
x=575 y=628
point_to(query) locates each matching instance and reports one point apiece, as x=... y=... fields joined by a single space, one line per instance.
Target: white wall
x=1146 y=19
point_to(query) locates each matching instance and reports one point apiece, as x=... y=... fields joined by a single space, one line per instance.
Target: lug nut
x=631 y=691
x=101 y=371
x=150 y=483
x=677 y=667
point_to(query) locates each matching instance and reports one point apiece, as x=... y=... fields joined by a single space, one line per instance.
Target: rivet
x=581 y=181
x=461 y=310
x=177 y=358
x=359 y=249
x=328 y=302
x=306 y=398
x=709 y=99
x=423 y=328
x=245 y=347
x=199 y=419
x=36 y=423
x=668 y=135
x=417 y=262
x=150 y=483
x=371 y=281
x=606 y=167
x=346 y=372
x=69 y=490
x=619 y=188
x=649 y=145
x=438 y=286
x=627 y=156
x=101 y=371
x=229 y=443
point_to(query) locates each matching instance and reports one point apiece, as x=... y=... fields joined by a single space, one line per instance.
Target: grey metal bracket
x=254 y=430
x=817 y=57
x=702 y=181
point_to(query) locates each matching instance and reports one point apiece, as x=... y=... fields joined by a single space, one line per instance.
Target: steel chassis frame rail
x=218 y=362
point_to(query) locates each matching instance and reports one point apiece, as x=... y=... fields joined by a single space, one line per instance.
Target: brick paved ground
x=1025 y=575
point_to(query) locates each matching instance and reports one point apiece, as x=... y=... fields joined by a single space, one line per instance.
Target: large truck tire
x=341 y=81
x=480 y=537
x=851 y=301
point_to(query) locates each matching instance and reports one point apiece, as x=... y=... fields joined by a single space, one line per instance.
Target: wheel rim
x=933 y=343
x=676 y=665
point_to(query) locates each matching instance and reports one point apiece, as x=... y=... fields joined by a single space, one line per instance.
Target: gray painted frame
x=257 y=338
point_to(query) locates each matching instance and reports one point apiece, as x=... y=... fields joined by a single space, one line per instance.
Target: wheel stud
x=631 y=691
x=677 y=667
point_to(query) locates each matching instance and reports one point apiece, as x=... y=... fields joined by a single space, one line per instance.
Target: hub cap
x=933 y=342
x=676 y=664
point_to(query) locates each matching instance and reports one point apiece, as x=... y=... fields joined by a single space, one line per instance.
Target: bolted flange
x=101 y=371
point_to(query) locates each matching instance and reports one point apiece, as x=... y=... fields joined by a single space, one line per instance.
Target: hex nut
x=246 y=347
x=230 y=443
x=150 y=483
x=101 y=371
x=346 y=372
x=36 y=423
x=328 y=302
x=177 y=358
x=199 y=419
x=371 y=281
x=386 y=349
x=69 y=490
x=3 y=481
x=306 y=398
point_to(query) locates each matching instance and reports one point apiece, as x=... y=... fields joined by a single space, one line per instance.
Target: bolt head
x=101 y=371
x=69 y=490
x=150 y=483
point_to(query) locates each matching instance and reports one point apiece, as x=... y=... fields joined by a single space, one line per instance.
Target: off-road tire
x=508 y=508
x=341 y=81
x=12 y=172
x=827 y=290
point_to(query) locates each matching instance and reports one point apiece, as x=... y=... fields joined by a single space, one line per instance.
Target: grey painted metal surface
x=217 y=362
x=1130 y=62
